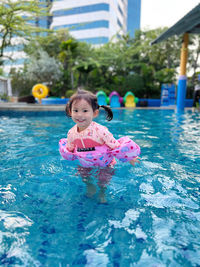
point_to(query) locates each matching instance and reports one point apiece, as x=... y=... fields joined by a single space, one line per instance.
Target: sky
x=164 y=13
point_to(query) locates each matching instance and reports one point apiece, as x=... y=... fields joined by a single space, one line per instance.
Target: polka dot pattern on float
x=102 y=156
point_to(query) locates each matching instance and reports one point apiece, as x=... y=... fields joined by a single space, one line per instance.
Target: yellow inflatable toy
x=40 y=91
x=130 y=100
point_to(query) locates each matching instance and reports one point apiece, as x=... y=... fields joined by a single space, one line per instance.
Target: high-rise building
x=93 y=21
x=133 y=16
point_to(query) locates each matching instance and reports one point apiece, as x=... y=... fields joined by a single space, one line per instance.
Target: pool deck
x=38 y=107
x=30 y=107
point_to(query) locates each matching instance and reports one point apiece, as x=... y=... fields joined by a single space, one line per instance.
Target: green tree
x=154 y=64
x=21 y=83
x=44 y=69
x=51 y=43
x=193 y=59
x=165 y=54
x=130 y=64
x=67 y=57
x=76 y=58
x=14 y=24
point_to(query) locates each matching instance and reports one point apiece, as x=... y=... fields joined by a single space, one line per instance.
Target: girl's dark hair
x=91 y=99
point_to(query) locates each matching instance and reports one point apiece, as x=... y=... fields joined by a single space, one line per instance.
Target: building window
x=119 y=23
x=95 y=40
x=84 y=25
x=18 y=61
x=80 y=10
x=120 y=10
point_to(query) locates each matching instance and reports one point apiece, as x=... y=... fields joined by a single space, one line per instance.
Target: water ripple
x=152 y=213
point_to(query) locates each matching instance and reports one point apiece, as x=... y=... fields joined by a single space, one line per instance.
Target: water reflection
x=103 y=176
x=152 y=213
x=14 y=231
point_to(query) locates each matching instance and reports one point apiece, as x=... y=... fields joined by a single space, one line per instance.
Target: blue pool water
x=152 y=214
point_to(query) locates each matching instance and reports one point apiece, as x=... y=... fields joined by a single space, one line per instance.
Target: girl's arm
x=135 y=160
x=70 y=145
x=111 y=142
x=108 y=138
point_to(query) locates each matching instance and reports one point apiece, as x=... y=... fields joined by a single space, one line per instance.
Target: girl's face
x=82 y=114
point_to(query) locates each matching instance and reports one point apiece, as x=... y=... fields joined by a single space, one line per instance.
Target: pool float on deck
x=102 y=98
x=115 y=99
x=40 y=91
x=102 y=155
x=130 y=100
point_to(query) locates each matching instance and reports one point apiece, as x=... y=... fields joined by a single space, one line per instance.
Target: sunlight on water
x=50 y=209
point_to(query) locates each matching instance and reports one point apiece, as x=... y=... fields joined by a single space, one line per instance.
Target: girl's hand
x=135 y=160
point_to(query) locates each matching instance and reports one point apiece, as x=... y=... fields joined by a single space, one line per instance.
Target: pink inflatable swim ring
x=102 y=155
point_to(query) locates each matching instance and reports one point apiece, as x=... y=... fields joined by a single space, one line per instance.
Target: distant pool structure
x=143 y=102
x=54 y=101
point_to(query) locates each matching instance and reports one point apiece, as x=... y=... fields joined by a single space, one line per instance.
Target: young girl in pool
x=91 y=142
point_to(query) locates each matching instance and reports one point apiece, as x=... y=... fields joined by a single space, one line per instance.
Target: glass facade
x=133 y=16
x=95 y=40
x=84 y=25
x=95 y=23
x=90 y=21
x=80 y=10
x=18 y=61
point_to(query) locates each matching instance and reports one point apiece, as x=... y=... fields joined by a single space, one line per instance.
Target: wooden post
x=182 y=83
x=184 y=54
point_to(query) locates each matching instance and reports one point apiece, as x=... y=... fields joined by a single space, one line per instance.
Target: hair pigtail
x=109 y=112
x=67 y=110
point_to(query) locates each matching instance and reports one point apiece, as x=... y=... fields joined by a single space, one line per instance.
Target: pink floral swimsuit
x=96 y=146
x=94 y=135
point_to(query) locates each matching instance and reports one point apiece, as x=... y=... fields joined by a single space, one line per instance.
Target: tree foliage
x=130 y=64
x=15 y=21
x=21 y=82
x=44 y=69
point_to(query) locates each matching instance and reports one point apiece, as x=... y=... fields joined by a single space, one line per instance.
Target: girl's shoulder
x=72 y=130
x=98 y=127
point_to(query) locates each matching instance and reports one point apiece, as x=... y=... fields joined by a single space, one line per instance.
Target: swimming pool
x=152 y=215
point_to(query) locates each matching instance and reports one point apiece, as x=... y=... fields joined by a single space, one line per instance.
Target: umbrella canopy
x=190 y=23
